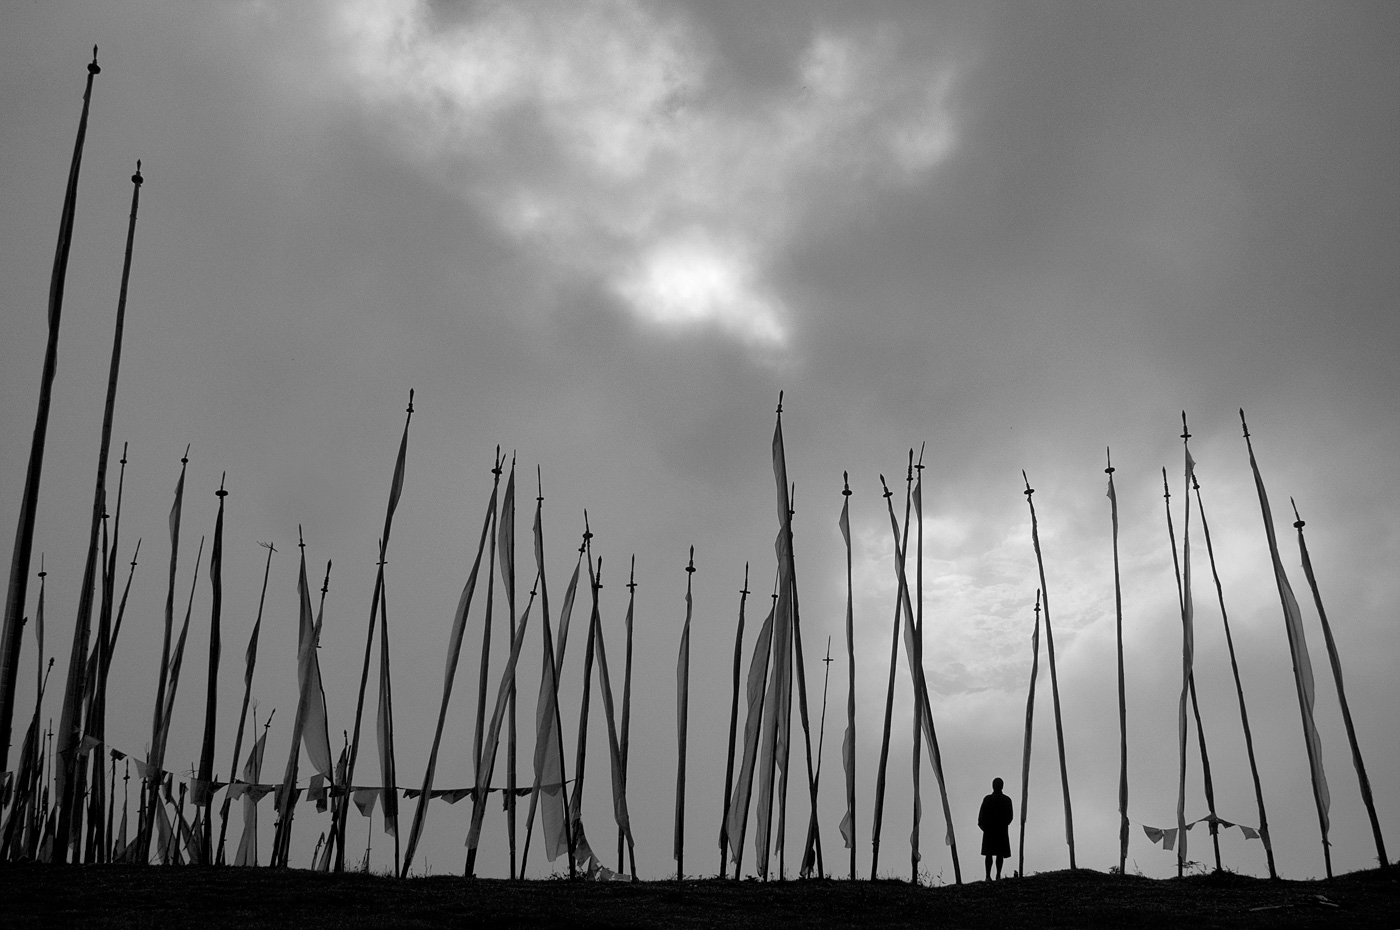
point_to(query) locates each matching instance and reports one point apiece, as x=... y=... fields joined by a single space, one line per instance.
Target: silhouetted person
x=994 y=818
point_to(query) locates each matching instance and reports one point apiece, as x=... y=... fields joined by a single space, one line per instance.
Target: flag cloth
x=454 y=651
x=252 y=771
x=1298 y=648
x=156 y=753
x=619 y=785
x=753 y=718
x=549 y=763
x=315 y=731
x=201 y=797
x=364 y=799
x=1026 y=741
x=848 y=742
x=1357 y=762
x=388 y=772
x=483 y=776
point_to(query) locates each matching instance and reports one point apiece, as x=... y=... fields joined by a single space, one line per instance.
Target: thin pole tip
x=690 y=568
x=301 y=540
x=185 y=459
x=410 y=402
x=1243 y=424
x=221 y=493
x=780 y=403
x=845 y=484
x=93 y=67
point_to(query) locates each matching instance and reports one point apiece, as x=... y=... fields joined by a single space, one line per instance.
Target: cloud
x=603 y=138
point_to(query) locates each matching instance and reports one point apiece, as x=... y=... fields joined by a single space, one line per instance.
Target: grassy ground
x=33 y=896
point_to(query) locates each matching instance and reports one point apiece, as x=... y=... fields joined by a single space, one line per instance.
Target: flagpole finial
x=410 y=401
x=598 y=576
x=496 y=470
x=690 y=569
x=1243 y=424
x=887 y=492
x=1108 y=457
x=846 y=484
x=587 y=533
x=1037 y=604
x=909 y=475
x=780 y=403
x=1299 y=524
x=326 y=584
x=138 y=181
x=539 y=486
x=221 y=493
x=919 y=465
x=92 y=65
x=632 y=575
x=124 y=444
x=185 y=459
x=745 y=589
x=301 y=540
x=1029 y=490
x=136 y=552
x=1166 y=490
x=1185 y=433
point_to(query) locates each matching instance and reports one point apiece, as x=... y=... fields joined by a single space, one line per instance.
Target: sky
x=604 y=237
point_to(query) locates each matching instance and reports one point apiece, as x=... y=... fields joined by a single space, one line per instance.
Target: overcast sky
x=605 y=236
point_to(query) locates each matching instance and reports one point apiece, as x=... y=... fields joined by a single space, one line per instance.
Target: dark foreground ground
x=123 y=896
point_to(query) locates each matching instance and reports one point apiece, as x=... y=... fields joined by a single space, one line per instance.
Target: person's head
x=996 y=785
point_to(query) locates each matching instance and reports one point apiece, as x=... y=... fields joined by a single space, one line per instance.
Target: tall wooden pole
x=682 y=720
x=10 y=640
x=848 y=745
x=1054 y=678
x=733 y=729
x=1336 y=662
x=1239 y=688
x=1122 y=691
x=1298 y=652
